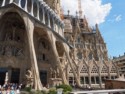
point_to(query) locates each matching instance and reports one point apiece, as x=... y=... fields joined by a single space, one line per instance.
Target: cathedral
x=35 y=39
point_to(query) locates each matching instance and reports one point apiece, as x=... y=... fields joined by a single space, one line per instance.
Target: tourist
x=0 y=91
x=12 y=91
x=20 y=86
x=18 y=91
x=8 y=91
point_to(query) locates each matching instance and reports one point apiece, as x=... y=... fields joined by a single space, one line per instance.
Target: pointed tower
x=100 y=39
x=80 y=9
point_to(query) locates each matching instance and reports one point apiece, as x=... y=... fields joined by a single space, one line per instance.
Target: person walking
x=18 y=91
x=8 y=91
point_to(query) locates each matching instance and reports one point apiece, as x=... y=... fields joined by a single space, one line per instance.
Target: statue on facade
x=29 y=78
x=8 y=51
x=6 y=78
x=55 y=5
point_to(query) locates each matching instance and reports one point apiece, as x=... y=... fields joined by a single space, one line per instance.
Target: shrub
x=44 y=92
x=67 y=92
x=66 y=88
x=28 y=89
x=52 y=91
x=39 y=92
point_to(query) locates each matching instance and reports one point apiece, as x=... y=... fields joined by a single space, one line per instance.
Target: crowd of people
x=10 y=88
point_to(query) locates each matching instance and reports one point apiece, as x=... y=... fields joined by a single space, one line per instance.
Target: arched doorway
x=12 y=47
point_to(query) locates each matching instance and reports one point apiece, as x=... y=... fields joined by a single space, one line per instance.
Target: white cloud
x=94 y=10
x=115 y=18
x=118 y=18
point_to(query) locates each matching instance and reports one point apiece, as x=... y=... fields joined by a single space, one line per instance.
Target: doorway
x=43 y=77
x=15 y=76
x=2 y=75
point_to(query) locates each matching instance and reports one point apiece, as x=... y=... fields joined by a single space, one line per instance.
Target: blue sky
x=109 y=14
x=113 y=29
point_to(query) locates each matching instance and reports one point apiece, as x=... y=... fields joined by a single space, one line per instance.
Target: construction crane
x=80 y=8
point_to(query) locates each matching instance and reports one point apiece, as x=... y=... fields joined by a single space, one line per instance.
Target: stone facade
x=89 y=54
x=120 y=63
x=33 y=37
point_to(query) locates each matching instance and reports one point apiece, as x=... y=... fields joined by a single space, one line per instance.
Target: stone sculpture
x=29 y=78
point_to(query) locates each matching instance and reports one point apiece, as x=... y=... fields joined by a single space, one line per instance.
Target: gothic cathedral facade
x=34 y=37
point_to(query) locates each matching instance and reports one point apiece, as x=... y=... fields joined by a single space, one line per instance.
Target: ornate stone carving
x=19 y=52
x=29 y=78
x=56 y=6
x=8 y=51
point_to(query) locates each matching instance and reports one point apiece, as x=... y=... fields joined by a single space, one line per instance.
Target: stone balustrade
x=40 y=11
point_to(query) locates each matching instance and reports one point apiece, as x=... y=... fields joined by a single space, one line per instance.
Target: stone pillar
x=38 y=8
x=95 y=79
x=100 y=79
x=43 y=13
x=32 y=8
x=71 y=65
x=58 y=63
x=30 y=30
x=89 y=76
x=78 y=77
x=48 y=20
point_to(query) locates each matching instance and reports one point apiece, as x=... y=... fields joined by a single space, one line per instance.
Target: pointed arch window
x=23 y=2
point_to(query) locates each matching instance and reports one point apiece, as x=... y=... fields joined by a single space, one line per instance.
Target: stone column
x=71 y=65
x=32 y=8
x=30 y=30
x=95 y=79
x=48 y=16
x=58 y=63
x=109 y=75
x=100 y=79
x=89 y=76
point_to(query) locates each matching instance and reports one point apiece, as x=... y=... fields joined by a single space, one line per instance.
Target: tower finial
x=68 y=12
x=80 y=9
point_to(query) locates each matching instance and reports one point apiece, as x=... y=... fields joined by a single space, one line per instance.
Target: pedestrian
x=18 y=91
x=12 y=91
x=8 y=91
x=20 y=86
